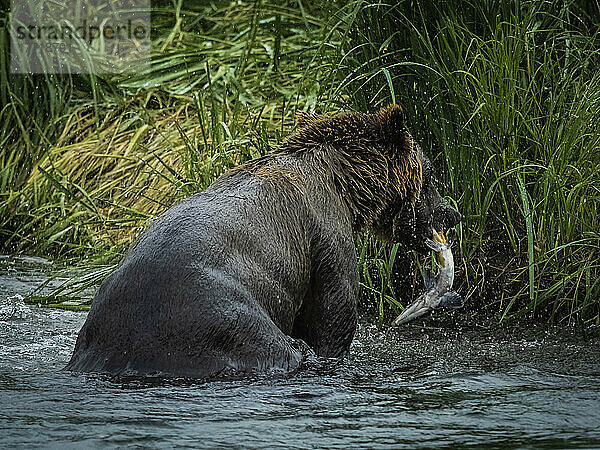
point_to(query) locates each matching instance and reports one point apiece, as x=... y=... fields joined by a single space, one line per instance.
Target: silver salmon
x=438 y=289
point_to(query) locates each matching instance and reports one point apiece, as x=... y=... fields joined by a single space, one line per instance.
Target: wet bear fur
x=260 y=268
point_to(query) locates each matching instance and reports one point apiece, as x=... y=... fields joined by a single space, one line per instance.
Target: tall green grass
x=222 y=87
x=505 y=97
x=33 y=109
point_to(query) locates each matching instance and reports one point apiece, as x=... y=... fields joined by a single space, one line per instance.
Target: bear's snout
x=454 y=217
x=446 y=217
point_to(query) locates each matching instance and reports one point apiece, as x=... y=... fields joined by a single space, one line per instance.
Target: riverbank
x=505 y=103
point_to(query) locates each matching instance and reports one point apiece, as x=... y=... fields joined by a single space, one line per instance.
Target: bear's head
x=416 y=221
x=381 y=172
x=416 y=207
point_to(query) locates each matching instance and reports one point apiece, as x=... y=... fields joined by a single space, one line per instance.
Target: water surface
x=415 y=387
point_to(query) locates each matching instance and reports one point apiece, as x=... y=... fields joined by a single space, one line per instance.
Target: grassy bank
x=504 y=99
x=505 y=96
x=83 y=170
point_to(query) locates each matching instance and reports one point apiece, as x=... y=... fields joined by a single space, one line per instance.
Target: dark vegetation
x=503 y=96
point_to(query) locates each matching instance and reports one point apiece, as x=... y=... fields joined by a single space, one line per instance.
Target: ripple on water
x=402 y=388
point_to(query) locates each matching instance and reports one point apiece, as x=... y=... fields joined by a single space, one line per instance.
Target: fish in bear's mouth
x=438 y=288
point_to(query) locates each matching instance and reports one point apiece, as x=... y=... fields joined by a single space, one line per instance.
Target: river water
x=421 y=386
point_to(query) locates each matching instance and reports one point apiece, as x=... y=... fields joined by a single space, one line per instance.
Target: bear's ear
x=304 y=119
x=392 y=120
x=391 y=124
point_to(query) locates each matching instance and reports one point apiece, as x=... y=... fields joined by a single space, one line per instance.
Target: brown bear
x=260 y=269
